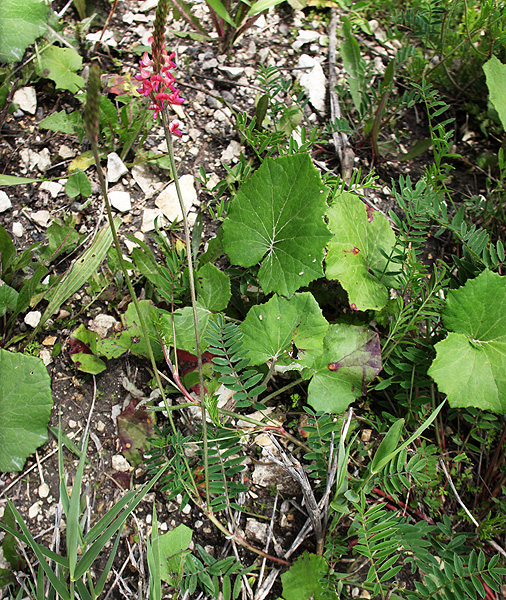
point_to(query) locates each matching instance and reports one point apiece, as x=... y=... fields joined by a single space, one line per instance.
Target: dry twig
x=341 y=142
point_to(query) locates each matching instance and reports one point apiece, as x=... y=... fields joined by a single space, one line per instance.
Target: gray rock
x=256 y=530
x=66 y=152
x=213 y=102
x=232 y=72
x=26 y=99
x=146 y=180
x=120 y=200
x=232 y=152
x=313 y=80
x=41 y=217
x=116 y=168
x=102 y=325
x=168 y=201
x=209 y=64
x=5 y=202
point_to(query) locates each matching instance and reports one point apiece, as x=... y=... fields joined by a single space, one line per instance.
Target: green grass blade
x=153 y=555
x=221 y=11
x=83 y=592
x=68 y=443
x=64 y=495
x=92 y=552
x=103 y=578
x=261 y=5
x=60 y=588
x=81 y=271
x=12 y=180
x=386 y=459
x=107 y=519
x=74 y=534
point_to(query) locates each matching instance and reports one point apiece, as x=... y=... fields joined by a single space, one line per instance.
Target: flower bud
x=92 y=108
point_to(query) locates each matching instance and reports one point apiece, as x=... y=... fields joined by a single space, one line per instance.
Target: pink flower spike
x=174 y=128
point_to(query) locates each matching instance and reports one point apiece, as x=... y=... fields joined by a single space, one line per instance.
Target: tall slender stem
x=133 y=295
x=189 y=257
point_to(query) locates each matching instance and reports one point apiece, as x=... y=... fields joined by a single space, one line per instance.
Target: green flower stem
x=134 y=297
x=285 y=388
x=189 y=257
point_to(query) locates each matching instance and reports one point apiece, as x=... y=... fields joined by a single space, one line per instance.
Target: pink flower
x=174 y=128
x=158 y=84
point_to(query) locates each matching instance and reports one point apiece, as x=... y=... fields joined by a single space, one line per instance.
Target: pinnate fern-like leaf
x=230 y=359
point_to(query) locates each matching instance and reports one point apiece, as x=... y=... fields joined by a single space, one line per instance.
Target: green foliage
x=272 y=330
x=495 y=72
x=173 y=552
x=358 y=253
x=231 y=359
x=277 y=218
x=230 y=20
x=350 y=360
x=418 y=469
x=469 y=365
x=60 y=65
x=80 y=272
x=25 y=408
x=78 y=184
x=21 y=23
x=219 y=578
x=83 y=546
x=302 y=580
x=87 y=349
x=167 y=277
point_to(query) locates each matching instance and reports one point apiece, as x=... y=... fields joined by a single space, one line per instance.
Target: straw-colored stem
x=133 y=295
x=189 y=257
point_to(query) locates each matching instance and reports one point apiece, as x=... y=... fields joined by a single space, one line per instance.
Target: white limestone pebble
x=66 y=152
x=43 y=490
x=116 y=168
x=53 y=187
x=44 y=160
x=313 y=80
x=231 y=152
x=120 y=200
x=34 y=509
x=32 y=318
x=168 y=201
x=17 y=229
x=120 y=463
x=102 y=324
x=41 y=217
x=5 y=202
x=26 y=99
x=148 y=219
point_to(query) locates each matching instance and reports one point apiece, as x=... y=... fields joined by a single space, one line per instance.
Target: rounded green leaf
x=78 y=184
x=60 y=64
x=213 y=287
x=269 y=329
x=302 y=580
x=350 y=360
x=470 y=364
x=495 y=72
x=25 y=408
x=277 y=218
x=21 y=23
x=355 y=253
